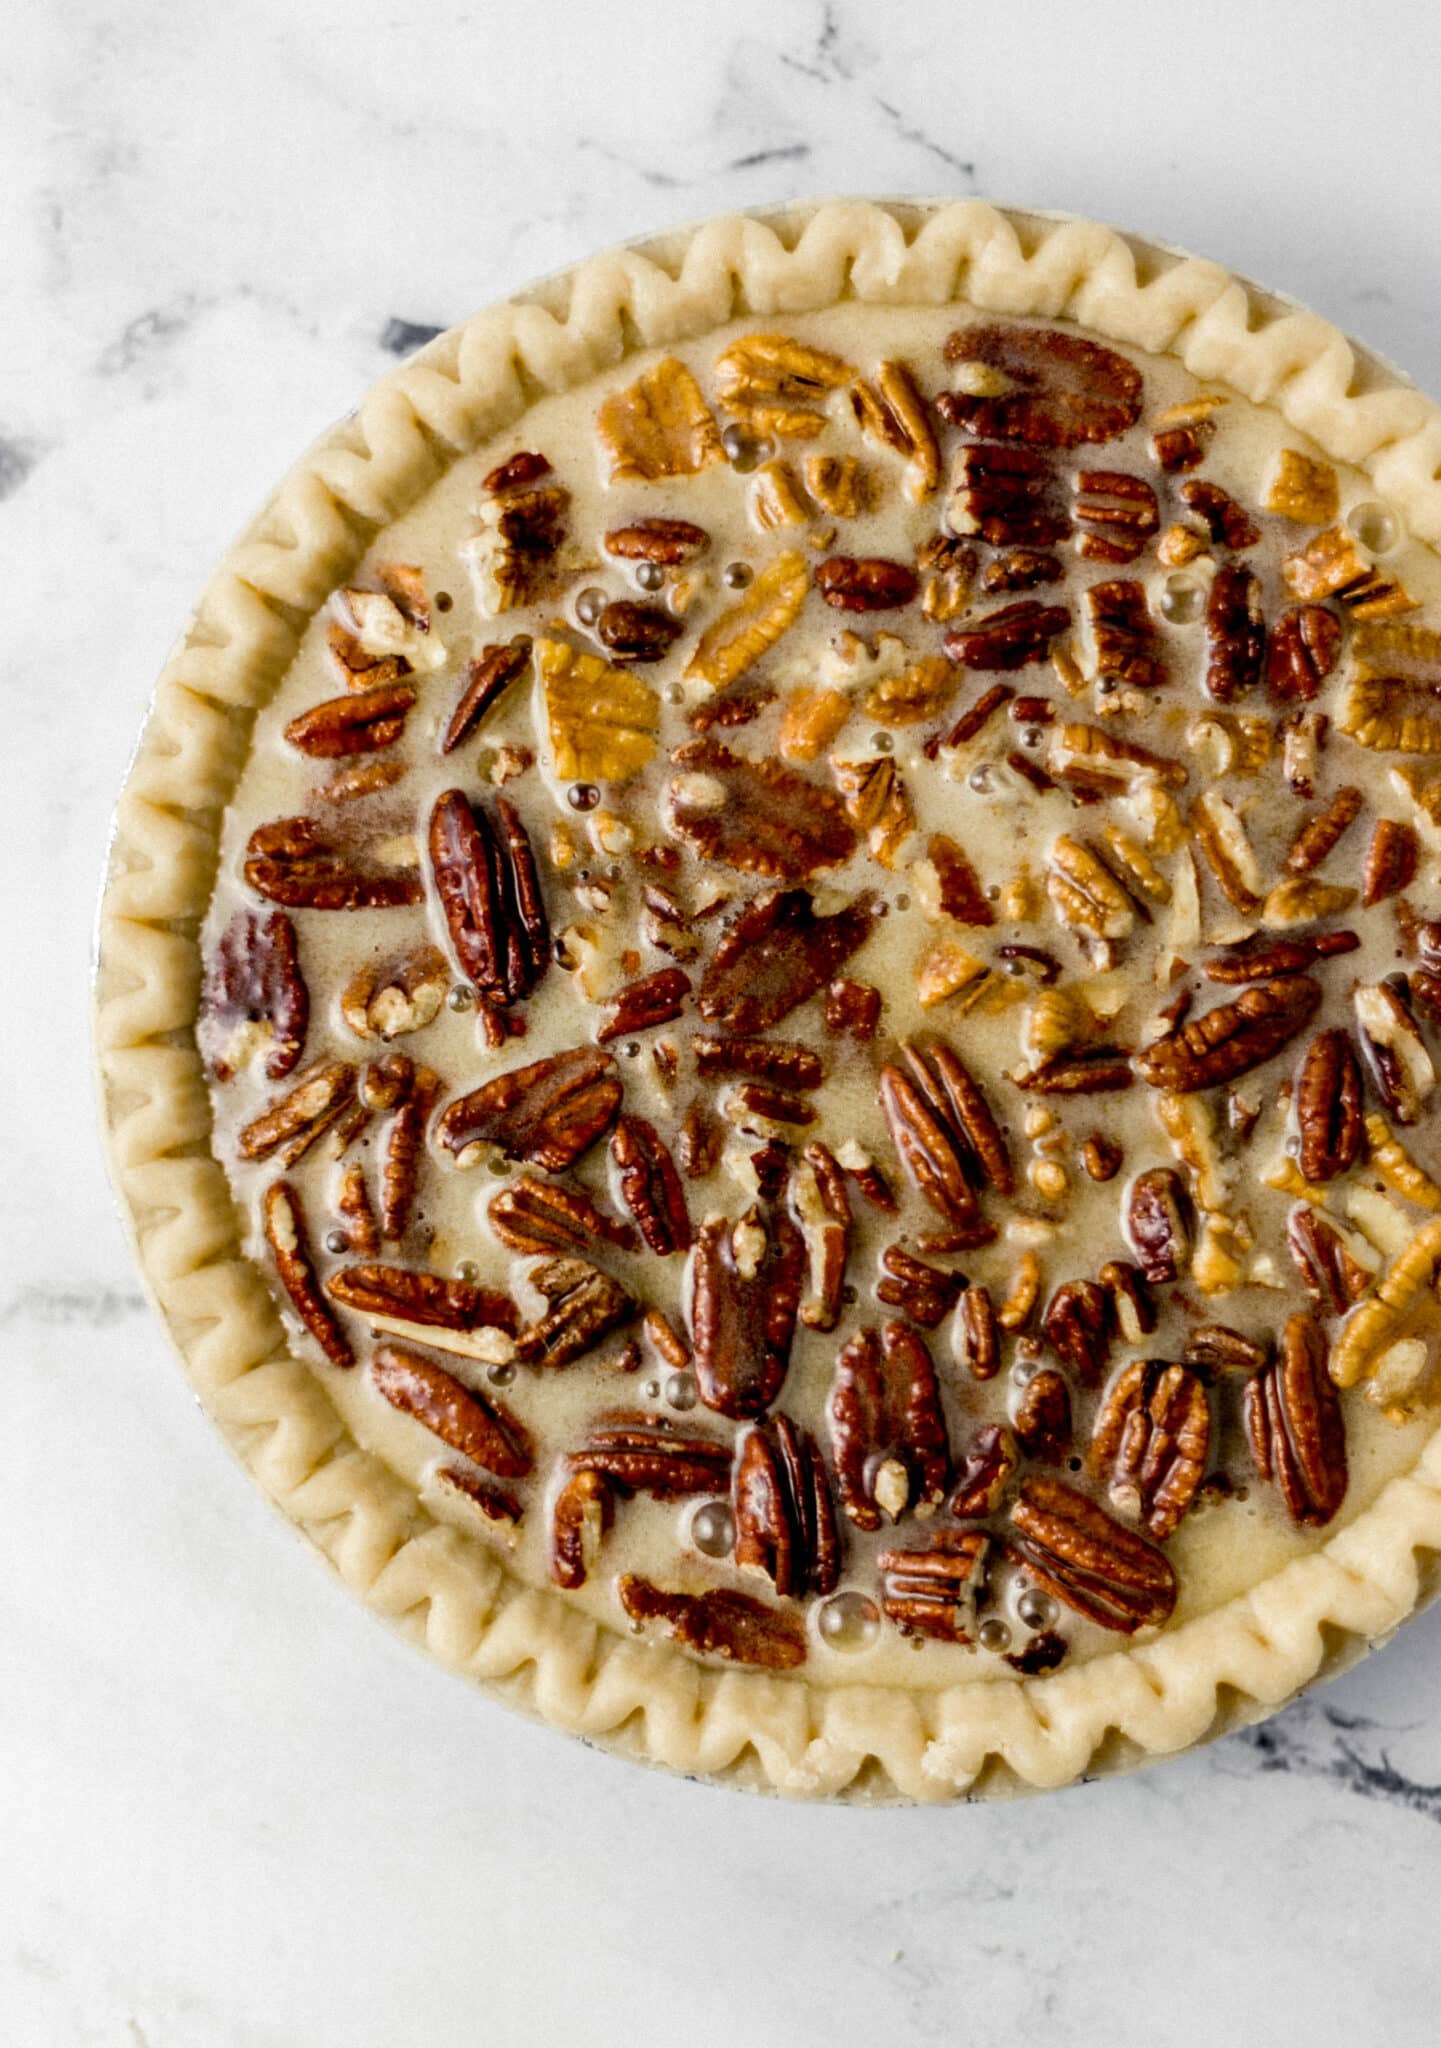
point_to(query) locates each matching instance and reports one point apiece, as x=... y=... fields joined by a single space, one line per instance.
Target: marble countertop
x=235 y=1812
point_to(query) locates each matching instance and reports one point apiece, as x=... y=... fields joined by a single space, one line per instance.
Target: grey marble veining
x=237 y=1813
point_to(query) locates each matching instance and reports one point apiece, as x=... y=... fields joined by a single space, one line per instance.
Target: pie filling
x=821 y=995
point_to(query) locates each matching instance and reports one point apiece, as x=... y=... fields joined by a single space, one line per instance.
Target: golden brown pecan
x=479 y=1429
x=894 y=412
x=1231 y=1039
x=291 y=861
x=1116 y=515
x=363 y=722
x=1333 y=564
x=1213 y=1348
x=1333 y=1278
x=789 y=1065
x=361 y=669
x=602 y=719
x=822 y=1208
x=775 y=382
x=1262 y=959
x=502 y=1511
x=408 y=1299
x=1085 y=1070
x=746 y=1281
x=547 y=1113
x=486 y=681
x=888 y=1431
x=549 y=1216
x=1008 y=497
x=1399 y=1062
x=583 y=1305
x=984 y=1473
x=720 y=1624
x=291 y=1125
x=657 y=427
x=932 y=1591
x=1319 y=834
x=667 y=541
x=1131 y=1303
x=1328 y=1107
x=853 y=1008
x=1077 y=1552
x=736 y=640
x=1303 y=650
x=637 y=1452
x=958 y=890
x=947 y=570
x=733 y=707
x=1085 y=894
x=283 y=1220
x=1041 y=1417
x=390 y=998
x=925 y=1293
x=579 y=1522
x=1157 y=1221
x=1235 y=633
x=1102 y=1156
x=1014 y=637
x=978 y=1334
x=485 y=877
x=1391 y=861
x=255 y=999
x=1392 y=1163
x=1150 y=1443
x=405 y=1150
x=650 y=1186
x=870 y=584
x=1039 y=385
x=1219 y=833
x=775 y=954
x=1296 y=1430
x=916 y=693
x=1303 y=489
x=756 y=816
x=1127 y=644
x=785 y=1518
x=629 y=631
x=1392 y=714
x=943 y=1129
x=642 y=1005
x=1228 y=524
x=877 y=803
x=1078 y=1324
x=353 y=1206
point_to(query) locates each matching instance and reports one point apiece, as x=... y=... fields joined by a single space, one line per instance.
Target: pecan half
x=756 y=815
x=978 y=1334
x=1078 y=1324
x=547 y=1113
x=637 y=1452
x=602 y=720
x=944 y=1131
x=650 y=1186
x=1151 y=1441
x=283 y=1220
x=548 y=1216
x=822 y=1208
x=486 y=681
x=1124 y=634
x=888 y=1431
x=1041 y=1418
x=894 y=412
x=925 y=1293
x=735 y=641
x=1392 y=714
x=1235 y=633
x=486 y=879
x=1158 y=1223
x=1040 y=385
x=785 y=1517
x=255 y=999
x=479 y=1429
x=1262 y=959
x=291 y=1125
x=719 y=1623
x=1116 y=515
x=932 y=1591
x=579 y=1522
x=1328 y=1106
x=1213 y=1348
x=657 y=427
x=1295 y=1426
x=1009 y=497
x=852 y=1009
x=583 y=1305
x=984 y=1473
x=667 y=541
x=699 y=1141
x=1228 y=524
x=1319 y=834
x=1304 y=648
x=405 y=1150
x=1232 y=1038
x=1333 y=564
x=775 y=954
x=637 y=632
x=1080 y=1554
x=1333 y=1278
x=757 y=1107
x=1392 y=860
x=1014 y=637
x=746 y=1281
x=291 y=861
x=868 y=584
x=1400 y=1064
x=1088 y=1070
x=408 y=1298
x=642 y=1005
x=362 y=722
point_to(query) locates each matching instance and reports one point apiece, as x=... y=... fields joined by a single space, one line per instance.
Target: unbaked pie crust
x=816 y=1733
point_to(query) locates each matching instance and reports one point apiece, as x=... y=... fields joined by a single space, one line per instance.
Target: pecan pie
x=773 y=1035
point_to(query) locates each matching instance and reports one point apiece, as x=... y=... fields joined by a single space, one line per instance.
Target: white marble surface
x=234 y=1813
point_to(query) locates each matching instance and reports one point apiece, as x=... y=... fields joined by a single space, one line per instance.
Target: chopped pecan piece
x=363 y=722
x=822 y=1208
x=1213 y=1348
x=1235 y=633
x=925 y=1293
x=520 y=533
x=775 y=954
x=525 y=467
x=1333 y=564
x=547 y=1113
x=1319 y=834
x=894 y=412
x=1131 y=1302
x=1014 y=637
x=734 y=707
x=657 y=427
x=1295 y=1426
x=602 y=719
x=870 y=584
x=1021 y=569
x=255 y=999
x=283 y=1219
x=1219 y=833
x=932 y=1591
x=636 y=632
x=1302 y=489
x=547 y=1216
x=877 y=803
x=467 y=1422
x=1039 y=385
x=391 y=998
x=1263 y=959
x=353 y=1205
x=1392 y=714
x=916 y=693
x=486 y=880
x=720 y=1623
x=1042 y=1417
x=642 y=1005
x=1400 y=1064
x=1102 y=1156
x=1084 y=1070
x=362 y=779
x=292 y=862
x=888 y=1431
x=984 y=1473
x=1228 y=524
x=784 y=1516
x=853 y=1008
x=787 y=1064
x=736 y=640
x=291 y=1125
x=1158 y=1225
x=405 y=1150
x=580 y=1520
x=746 y=1281
x=978 y=1334
x=667 y=541
x=1116 y=515
x=360 y=668
x=756 y=816
x=650 y=1186
x=583 y=1305
x=1086 y=1559
x=944 y=1131
x=698 y=1143
x=1233 y=1038
x=1392 y=860
x=1328 y=1107
x=1078 y=1323
x=486 y=681
x=1333 y=1278
x=1303 y=650
x=1127 y=644
x=1151 y=1441
x=502 y=1511
x=958 y=890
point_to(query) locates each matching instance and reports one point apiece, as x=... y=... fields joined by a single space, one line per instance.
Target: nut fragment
x=868 y=585
x=888 y=1431
x=283 y=1220
x=394 y=997
x=877 y=803
x=823 y=1210
x=720 y=1623
x=1333 y=564
x=1150 y=1443
x=1041 y=1417
x=1294 y=1423
x=932 y=1591
x=984 y=1472
x=1304 y=648
x=1392 y=860
x=1085 y=894
x=1302 y=489
x=643 y=1005
x=636 y=632
x=1319 y=834
x=1400 y=1064
x=255 y=999
x=660 y=426
x=291 y=1125
x=894 y=413
x=925 y=1293
x=1392 y=1163
x=1116 y=515
x=583 y=1513
x=1077 y=1552
x=1228 y=852
x=1228 y=524
x=1078 y=1325
x=948 y=882
x=1333 y=1277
